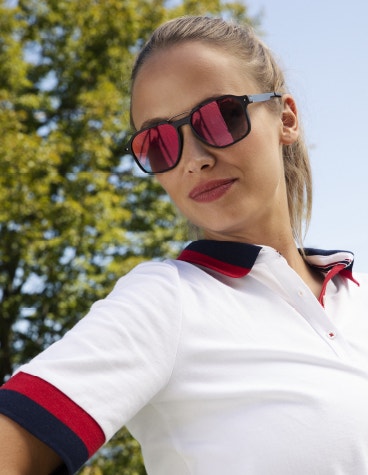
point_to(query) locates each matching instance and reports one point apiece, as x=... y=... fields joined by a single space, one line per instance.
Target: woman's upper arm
x=23 y=454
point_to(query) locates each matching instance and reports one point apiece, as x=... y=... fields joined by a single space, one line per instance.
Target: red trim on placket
x=349 y=275
x=330 y=274
x=60 y=406
x=212 y=263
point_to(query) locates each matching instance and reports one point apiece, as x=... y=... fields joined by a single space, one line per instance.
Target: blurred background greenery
x=75 y=212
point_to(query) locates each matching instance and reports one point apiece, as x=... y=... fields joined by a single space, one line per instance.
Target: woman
x=245 y=355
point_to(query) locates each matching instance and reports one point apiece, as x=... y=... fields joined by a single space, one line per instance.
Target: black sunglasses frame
x=177 y=124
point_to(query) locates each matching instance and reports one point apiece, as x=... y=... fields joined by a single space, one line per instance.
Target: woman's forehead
x=194 y=53
x=176 y=79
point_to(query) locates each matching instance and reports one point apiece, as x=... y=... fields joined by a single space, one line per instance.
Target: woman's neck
x=312 y=277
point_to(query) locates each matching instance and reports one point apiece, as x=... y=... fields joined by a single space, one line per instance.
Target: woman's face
x=234 y=193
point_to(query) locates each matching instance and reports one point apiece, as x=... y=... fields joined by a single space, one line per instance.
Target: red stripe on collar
x=234 y=259
x=230 y=270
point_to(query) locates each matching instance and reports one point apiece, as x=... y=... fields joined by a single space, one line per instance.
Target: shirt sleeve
x=75 y=395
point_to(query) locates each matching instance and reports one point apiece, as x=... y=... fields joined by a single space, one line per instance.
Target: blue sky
x=322 y=45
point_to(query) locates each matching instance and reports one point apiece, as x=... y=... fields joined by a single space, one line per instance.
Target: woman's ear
x=289 y=118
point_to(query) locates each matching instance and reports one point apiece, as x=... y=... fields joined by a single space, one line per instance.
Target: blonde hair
x=241 y=41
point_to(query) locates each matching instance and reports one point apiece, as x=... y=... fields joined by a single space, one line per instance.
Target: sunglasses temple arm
x=263 y=97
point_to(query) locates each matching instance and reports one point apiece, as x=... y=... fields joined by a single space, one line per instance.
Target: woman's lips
x=211 y=190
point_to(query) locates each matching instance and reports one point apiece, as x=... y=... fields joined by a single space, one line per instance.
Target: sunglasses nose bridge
x=180 y=122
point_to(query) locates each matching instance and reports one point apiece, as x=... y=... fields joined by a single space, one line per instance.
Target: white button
x=301 y=293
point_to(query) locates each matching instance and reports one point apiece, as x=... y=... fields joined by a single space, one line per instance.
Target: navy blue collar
x=236 y=259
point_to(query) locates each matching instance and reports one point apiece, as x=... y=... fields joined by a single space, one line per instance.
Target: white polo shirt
x=220 y=362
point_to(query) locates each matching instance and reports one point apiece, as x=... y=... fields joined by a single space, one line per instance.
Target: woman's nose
x=196 y=155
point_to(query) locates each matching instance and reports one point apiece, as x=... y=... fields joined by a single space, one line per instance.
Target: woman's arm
x=23 y=454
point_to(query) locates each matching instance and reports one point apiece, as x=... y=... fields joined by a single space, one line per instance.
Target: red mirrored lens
x=221 y=122
x=157 y=149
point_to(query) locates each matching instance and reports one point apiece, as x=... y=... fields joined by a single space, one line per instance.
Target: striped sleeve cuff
x=52 y=417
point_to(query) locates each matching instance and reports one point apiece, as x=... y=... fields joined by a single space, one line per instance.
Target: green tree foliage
x=75 y=213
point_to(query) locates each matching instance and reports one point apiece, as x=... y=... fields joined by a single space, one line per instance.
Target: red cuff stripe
x=61 y=406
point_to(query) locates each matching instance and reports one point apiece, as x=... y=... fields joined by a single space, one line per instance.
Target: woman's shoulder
x=169 y=268
x=161 y=276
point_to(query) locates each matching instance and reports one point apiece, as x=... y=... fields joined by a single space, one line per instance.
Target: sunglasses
x=217 y=122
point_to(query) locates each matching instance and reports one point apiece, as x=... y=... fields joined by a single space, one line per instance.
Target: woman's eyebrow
x=156 y=120
x=152 y=122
